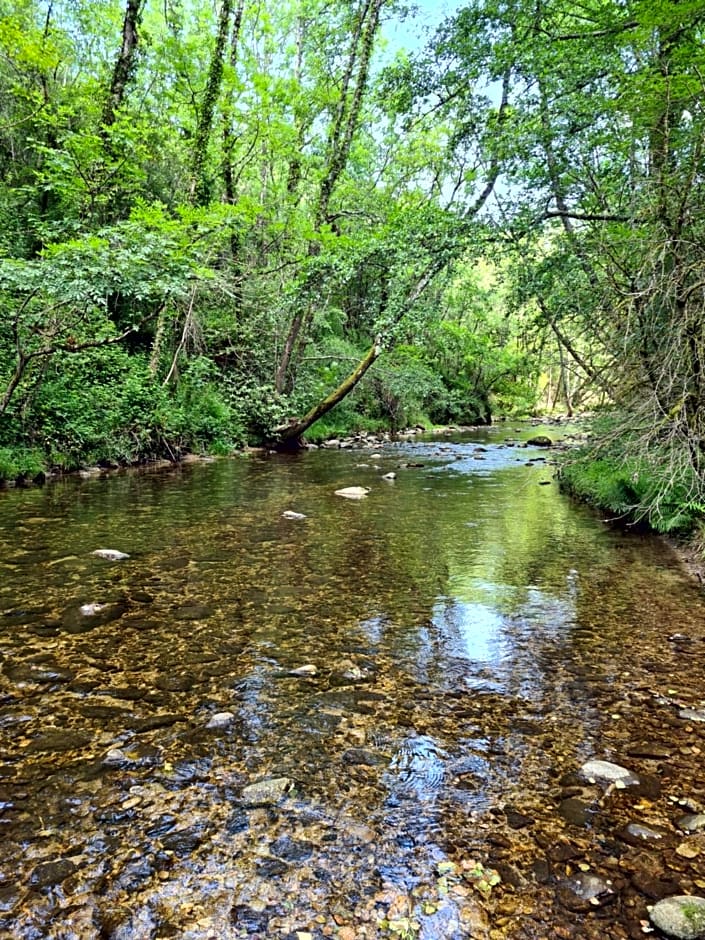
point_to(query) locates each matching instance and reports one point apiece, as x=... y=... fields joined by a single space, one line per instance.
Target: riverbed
x=291 y=714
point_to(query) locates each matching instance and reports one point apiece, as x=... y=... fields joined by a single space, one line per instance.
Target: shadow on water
x=351 y=724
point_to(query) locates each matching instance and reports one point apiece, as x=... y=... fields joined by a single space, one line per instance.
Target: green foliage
x=633 y=483
x=20 y=463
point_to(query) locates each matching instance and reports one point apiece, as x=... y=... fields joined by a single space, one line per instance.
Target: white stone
x=353 y=492
x=110 y=554
x=220 y=720
x=604 y=772
x=290 y=514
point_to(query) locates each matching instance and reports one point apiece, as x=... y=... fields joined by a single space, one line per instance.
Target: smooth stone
x=88 y=616
x=605 y=772
x=308 y=670
x=183 y=841
x=220 y=720
x=692 y=714
x=182 y=683
x=540 y=441
x=42 y=675
x=51 y=873
x=576 y=812
x=110 y=554
x=638 y=834
x=193 y=612
x=389 y=476
x=266 y=792
x=694 y=822
x=681 y=917
x=57 y=742
x=585 y=891
x=650 y=751
x=152 y=722
x=353 y=492
x=115 y=758
x=290 y=514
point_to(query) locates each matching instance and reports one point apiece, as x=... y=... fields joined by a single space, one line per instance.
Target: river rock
x=353 y=492
x=110 y=554
x=303 y=671
x=290 y=514
x=389 y=476
x=220 y=720
x=51 y=873
x=540 y=441
x=94 y=614
x=577 y=812
x=694 y=822
x=585 y=891
x=692 y=714
x=266 y=792
x=605 y=773
x=681 y=917
x=638 y=834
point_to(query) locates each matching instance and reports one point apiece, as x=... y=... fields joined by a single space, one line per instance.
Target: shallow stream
x=363 y=723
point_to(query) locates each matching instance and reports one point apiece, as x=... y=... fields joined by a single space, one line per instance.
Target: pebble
x=692 y=714
x=290 y=514
x=266 y=792
x=693 y=822
x=110 y=554
x=353 y=492
x=308 y=670
x=220 y=720
x=605 y=772
x=681 y=917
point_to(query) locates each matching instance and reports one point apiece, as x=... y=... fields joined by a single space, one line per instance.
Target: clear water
x=473 y=634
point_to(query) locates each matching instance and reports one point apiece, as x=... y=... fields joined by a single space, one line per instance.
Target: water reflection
x=460 y=632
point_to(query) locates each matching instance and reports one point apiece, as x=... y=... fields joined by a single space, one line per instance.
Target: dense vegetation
x=214 y=220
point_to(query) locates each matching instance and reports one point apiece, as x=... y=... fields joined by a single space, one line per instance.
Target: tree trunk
x=290 y=435
x=200 y=189
x=124 y=67
x=340 y=137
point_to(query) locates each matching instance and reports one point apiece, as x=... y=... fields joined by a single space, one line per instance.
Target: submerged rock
x=220 y=720
x=389 y=476
x=266 y=792
x=693 y=822
x=353 y=492
x=605 y=773
x=692 y=714
x=308 y=670
x=290 y=514
x=577 y=812
x=51 y=873
x=585 y=891
x=681 y=917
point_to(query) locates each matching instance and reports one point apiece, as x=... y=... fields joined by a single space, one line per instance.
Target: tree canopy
x=249 y=221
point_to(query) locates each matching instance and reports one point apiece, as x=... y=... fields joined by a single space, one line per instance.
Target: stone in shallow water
x=110 y=554
x=638 y=834
x=692 y=714
x=51 y=873
x=353 y=492
x=584 y=892
x=266 y=792
x=693 y=822
x=604 y=772
x=577 y=812
x=220 y=720
x=308 y=670
x=290 y=514
x=681 y=917
x=57 y=741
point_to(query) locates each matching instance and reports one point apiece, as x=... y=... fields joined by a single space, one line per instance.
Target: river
x=368 y=722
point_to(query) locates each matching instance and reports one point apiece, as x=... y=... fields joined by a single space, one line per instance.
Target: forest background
x=244 y=222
